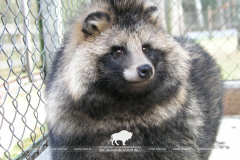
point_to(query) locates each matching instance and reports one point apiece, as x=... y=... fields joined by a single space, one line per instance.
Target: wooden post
x=238 y=38
x=161 y=6
x=233 y=8
x=228 y=14
x=221 y=15
x=238 y=27
x=177 y=19
x=199 y=12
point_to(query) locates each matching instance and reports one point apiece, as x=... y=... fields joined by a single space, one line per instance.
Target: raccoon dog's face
x=131 y=63
x=119 y=46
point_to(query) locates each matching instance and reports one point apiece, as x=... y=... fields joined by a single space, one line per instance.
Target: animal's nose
x=145 y=71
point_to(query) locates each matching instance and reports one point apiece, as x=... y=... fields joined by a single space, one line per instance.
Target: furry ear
x=151 y=12
x=95 y=22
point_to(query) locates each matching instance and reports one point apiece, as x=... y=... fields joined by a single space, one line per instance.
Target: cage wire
x=32 y=31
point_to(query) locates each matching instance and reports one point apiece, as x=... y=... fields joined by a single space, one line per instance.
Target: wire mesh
x=32 y=31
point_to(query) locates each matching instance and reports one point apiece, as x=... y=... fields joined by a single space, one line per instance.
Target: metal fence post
x=27 y=37
x=52 y=28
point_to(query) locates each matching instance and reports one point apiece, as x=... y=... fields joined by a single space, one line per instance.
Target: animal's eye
x=145 y=49
x=118 y=52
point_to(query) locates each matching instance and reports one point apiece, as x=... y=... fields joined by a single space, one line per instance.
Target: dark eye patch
x=145 y=48
x=146 y=45
x=114 y=48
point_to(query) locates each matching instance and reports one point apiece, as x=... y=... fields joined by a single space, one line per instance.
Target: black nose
x=145 y=71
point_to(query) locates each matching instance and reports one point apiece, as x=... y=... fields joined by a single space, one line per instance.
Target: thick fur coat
x=119 y=70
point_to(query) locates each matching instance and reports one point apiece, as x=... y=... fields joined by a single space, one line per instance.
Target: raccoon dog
x=119 y=70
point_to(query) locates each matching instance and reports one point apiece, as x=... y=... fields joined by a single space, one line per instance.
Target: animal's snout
x=145 y=71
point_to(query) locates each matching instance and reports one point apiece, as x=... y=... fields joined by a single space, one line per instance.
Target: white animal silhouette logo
x=121 y=136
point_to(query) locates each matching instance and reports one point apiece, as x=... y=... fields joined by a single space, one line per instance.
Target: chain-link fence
x=32 y=30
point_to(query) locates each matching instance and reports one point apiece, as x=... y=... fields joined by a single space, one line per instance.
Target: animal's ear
x=151 y=12
x=95 y=22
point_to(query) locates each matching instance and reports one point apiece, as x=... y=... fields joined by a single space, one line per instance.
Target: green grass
x=15 y=150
